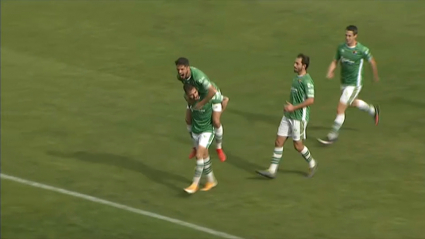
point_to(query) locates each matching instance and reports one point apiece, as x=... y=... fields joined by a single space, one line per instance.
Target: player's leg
x=188 y=120
x=199 y=166
x=299 y=135
x=283 y=132
x=204 y=143
x=216 y=118
x=372 y=110
x=349 y=93
x=224 y=103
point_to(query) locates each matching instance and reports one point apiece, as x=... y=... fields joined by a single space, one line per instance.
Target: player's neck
x=352 y=45
x=302 y=73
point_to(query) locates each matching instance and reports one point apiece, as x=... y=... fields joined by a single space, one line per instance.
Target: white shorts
x=292 y=128
x=203 y=139
x=349 y=94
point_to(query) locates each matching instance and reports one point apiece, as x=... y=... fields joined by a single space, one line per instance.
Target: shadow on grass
x=155 y=175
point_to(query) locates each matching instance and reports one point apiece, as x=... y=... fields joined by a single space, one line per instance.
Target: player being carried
x=202 y=131
x=208 y=91
x=351 y=55
x=295 y=118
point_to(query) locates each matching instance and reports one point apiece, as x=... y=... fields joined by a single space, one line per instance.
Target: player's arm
x=333 y=65
x=208 y=87
x=309 y=91
x=368 y=56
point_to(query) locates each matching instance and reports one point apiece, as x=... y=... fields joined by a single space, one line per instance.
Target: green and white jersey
x=202 y=118
x=352 y=61
x=198 y=79
x=301 y=89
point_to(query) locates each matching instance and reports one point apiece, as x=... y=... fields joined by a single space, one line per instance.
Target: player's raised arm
x=208 y=87
x=368 y=56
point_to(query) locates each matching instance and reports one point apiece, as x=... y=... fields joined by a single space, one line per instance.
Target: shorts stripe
x=353 y=95
x=302 y=129
x=210 y=139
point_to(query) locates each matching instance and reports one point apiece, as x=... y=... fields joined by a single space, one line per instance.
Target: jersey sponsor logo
x=347 y=61
x=193 y=109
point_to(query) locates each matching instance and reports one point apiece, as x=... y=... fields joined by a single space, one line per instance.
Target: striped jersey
x=352 y=61
x=301 y=89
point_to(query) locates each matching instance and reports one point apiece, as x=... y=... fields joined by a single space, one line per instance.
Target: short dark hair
x=305 y=60
x=182 y=61
x=352 y=28
x=188 y=87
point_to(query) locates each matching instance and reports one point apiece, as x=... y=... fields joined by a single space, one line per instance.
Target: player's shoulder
x=341 y=45
x=362 y=47
x=195 y=70
x=197 y=73
x=308 y=79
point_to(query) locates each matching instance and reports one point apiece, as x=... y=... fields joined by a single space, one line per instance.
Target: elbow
x=310 y=101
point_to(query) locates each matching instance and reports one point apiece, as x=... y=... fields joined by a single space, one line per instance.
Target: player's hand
x=330 y=75
x=289 y=107
x=376 y=79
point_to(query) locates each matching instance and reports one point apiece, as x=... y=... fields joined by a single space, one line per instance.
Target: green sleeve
x=202 y=81
x=309 y=88
x=215 y=101
x=366 y=54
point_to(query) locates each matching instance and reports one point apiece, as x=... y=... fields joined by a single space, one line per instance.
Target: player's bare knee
x=206 y=154
x=298 y=145
x=279 y=142
x=355 y=103
x=341 y=108
x=200 y=153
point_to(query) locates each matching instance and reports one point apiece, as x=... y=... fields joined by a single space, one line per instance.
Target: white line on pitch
x=120 y=206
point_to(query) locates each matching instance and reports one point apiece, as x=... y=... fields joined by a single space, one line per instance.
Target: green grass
x=90 y=103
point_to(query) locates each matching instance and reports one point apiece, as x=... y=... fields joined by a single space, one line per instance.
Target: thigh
x=195 y=139
x=216 y=114
x=285 y=127
x=205 y=139
x=349 y=94
x=297 y=130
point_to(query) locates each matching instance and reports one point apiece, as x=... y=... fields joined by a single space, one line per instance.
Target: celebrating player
x=202 y=131
x=208 y=91
x=296 y=117
x=351 y=56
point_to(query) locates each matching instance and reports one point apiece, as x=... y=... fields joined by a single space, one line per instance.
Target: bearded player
x=295 y=118
x=208 y=91
x=202 y=135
